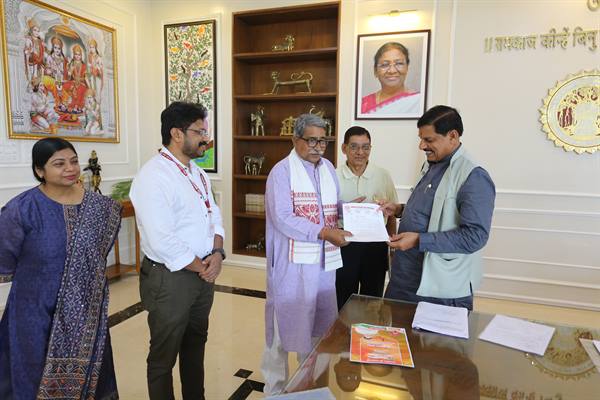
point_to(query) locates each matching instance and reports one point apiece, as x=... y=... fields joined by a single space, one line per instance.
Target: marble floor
x=236 y=333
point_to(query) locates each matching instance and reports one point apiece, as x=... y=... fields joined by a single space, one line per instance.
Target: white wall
x=546 y=227
x=547 y=219
x=119 y=161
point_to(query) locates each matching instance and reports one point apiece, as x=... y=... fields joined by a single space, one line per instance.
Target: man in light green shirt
x=365 y=264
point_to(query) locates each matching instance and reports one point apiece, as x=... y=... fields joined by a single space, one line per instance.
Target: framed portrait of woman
x=391 y=75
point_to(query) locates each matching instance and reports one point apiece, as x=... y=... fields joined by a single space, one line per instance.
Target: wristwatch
x=219 y=250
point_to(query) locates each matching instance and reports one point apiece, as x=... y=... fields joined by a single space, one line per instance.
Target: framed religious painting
x=391 y=75
x=60 y=74
x=190 y=75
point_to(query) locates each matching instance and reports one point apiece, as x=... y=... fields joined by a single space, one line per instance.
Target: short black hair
x=43 y=149
x=179 y=114
x=355 y=131
x=443 y=119
x=389 y=46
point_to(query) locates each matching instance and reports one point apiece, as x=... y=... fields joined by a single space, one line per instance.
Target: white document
x=315 y=394
x=593 y=352
x=365 y=221
x=518 y=334
x=451 y=321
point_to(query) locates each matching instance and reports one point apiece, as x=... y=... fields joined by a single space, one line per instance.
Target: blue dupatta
x=80 y=323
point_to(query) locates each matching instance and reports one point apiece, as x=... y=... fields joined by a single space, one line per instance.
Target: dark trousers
x=365 y=265
x=178 y=305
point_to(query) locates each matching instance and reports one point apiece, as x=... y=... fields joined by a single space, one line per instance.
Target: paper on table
x=452 y=321
x=365 y=221
x=588 y=345
x=518 y=334
x=315 y=394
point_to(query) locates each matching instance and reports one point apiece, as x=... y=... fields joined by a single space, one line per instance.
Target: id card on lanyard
x=204 y=197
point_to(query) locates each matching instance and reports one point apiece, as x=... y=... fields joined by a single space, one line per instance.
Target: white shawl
x=305 y=203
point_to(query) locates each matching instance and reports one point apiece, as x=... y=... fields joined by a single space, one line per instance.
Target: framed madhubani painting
x=60 y=74
x=190 y=74
x=391 y=75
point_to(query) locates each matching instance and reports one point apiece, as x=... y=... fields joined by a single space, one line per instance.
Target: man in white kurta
x=302 y=239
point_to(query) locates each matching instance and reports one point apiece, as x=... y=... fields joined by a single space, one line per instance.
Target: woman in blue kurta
x=54 y=239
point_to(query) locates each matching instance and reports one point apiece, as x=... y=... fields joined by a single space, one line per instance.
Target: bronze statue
x=296 y=78
x=95 y=169
x=287 y=126
x=321 y=113
x=253 y=164
x=287 y=45
x=257 y=127
x=260 y=245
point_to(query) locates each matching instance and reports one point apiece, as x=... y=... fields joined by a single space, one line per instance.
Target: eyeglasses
x=386 y=66
x=201 y=132
x=355 y=147
x=313 y=142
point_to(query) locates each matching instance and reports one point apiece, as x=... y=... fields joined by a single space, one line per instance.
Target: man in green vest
x=446 y=221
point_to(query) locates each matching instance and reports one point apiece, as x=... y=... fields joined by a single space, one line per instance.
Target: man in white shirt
x=365 y=264
x=182 y=237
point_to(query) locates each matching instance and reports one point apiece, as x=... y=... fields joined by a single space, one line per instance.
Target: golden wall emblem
x=570 y=115
x=565 y=357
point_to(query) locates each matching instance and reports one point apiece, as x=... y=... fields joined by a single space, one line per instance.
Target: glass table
x=447 y=367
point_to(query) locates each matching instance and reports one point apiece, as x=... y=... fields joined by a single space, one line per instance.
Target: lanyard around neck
x=196 y=188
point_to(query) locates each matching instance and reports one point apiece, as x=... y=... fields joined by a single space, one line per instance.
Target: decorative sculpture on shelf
x=253 y=164
x=321 y=113
x=257 y=127
x=296 y=78
x=287 y=126
x=95 y=169
x=260 y=245
x=287 y=45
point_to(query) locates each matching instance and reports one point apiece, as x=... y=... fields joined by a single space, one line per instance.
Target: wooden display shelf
x=280 y=97
x=266 y=138
x=250 y=177
x=289 y=14
x=327 y=53
x=315 y=28
x=249 y=215
x=253 y=253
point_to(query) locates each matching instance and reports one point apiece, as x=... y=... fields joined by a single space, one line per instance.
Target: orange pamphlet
x=374 y=344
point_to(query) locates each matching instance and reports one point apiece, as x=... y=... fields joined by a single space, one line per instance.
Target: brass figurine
x=296 y=78
x=287 y=126
x=287 y=45
x=95 y=169
x=321 y=113
x=260 y=245
x=257 y=127
x=253 y=164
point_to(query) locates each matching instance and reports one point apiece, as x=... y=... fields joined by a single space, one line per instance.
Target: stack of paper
x=518 y=334
x=452 y=321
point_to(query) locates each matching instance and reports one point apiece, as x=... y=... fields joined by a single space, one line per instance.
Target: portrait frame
x=410 y=100
x=191 y=74
x=60 y=74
